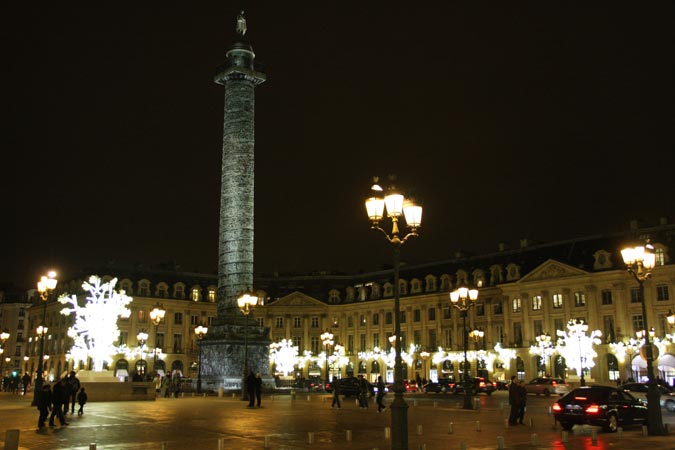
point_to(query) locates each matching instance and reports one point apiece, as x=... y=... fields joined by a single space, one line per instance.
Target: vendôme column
x=223 y=346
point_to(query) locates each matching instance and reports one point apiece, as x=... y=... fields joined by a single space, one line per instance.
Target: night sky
x=544 y=120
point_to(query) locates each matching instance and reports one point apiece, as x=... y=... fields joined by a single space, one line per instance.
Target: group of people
x=518 y=401
x=363 y=394
x=253 y=385
x=64 y=393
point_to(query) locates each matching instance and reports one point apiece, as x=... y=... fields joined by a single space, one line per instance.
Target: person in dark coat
x=363 y=392
x=26 y=382
x=258 y=388
x=44 y=403
x=513 y=401
x=522 y=401
x=250 y=389
x=380 y=394
x=81 y=400
x=73 y=388
x=336 y=393
x=59 y=398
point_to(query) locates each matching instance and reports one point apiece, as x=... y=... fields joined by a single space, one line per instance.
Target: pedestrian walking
x=26 y=382
x=363 y=392
x=380 y=394
x=73 y=388
x=522 y=401
x=59 y=398
x=336 y=394
x=44 y=404
x=513 y=401
x=250 y=389
x=258 y=388
x=81 y=400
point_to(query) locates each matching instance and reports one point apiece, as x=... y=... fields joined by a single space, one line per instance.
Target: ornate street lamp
x=247 y=302
x=463 y=299
x=327 y=340
x=396 y=206
x=45 y=287
x=639 y=262
x=142 y=338
x=543 y=348
x=424 y=355
x=477 y=336
x=3 y=337
x=200 y=332
x=156 y=316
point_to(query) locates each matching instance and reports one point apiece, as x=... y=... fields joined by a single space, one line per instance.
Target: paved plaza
x=204 y=423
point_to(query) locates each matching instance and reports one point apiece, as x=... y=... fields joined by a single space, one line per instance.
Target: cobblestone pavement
x=204 y=423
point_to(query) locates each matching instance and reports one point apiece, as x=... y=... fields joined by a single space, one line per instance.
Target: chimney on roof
x=525 y=242
x=502 y=246
x=663 y=220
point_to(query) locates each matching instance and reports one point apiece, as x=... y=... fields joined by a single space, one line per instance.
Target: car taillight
x=556 y=407
x=494 y=384
x=482 y=384
x=593 y=409
x=554 y=384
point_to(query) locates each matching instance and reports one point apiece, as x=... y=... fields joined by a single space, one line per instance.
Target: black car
x=442 y=386
x=350 y=386
x=478 y=384
x=603 y=406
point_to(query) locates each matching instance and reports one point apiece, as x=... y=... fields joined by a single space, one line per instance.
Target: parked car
x=350 y=386
x=603 y=406
x=440 y=386
x=479 y=384
x=639 y=391
x=410 y=386
x=310 y=384
x=501 y=385
x=547 y=386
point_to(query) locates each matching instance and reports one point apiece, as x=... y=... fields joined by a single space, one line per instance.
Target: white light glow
x=95 y=329
x=284 y=356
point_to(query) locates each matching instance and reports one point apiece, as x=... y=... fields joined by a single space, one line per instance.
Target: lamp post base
x=654 y=420
x=399 y=423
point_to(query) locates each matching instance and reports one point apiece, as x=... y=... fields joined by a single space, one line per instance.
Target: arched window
x=350 y=369
x=375 y=367
x=141 y=368
x=612 y=367
x=446 y=282
x=520 y=368
x=559 y=367
x=362 y=367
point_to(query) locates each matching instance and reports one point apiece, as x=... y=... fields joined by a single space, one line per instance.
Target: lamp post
x=200 y=332
x=142 y=338
x=424 y=355
x=396 y=206
x=247 y=302
x=639 y=262
x=156 y=316
x=545 y=345
x=45 y=287
x=327 y=340
x=477 y=336
x=463 y=299
x=632 y=347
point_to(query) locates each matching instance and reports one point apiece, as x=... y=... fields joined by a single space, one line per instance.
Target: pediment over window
x=552 y=269
x=297 y=299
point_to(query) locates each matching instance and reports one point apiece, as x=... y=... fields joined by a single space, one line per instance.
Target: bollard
x=500 y=443
x=462 y=445
x=435 y=403
x=193 y=394
x=267 y=442
x=204 y=394
x=534 y=439
x=423 y=446
x=163 y=446
x=476 y=403
x=221 y=391
x=387 y=433
x=12 y=440
x=477 y=425
x=221 y=443
x=92 y=446
x=309 y=398
x=449 y=427
x=457 y=405
x=555 y=423
x=565 y=436
x=356 y=401
x=619 y=432
x=645 y=430
x=348 y=435
x=594 y=436
x=506 y=423
x=414 y=402
x=323 y=399
x=501 y=405
x=310 y=437
x=531 y=422
x=233 y=395
x=419 y=430
x=549 y=410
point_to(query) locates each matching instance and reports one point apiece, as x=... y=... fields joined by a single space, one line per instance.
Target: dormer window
x=194 y=295
x=212 y=295
x=144 y=288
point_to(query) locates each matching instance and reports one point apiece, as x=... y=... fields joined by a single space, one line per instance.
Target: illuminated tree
x=284 y=356
x=95 y=329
